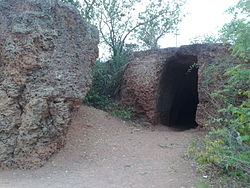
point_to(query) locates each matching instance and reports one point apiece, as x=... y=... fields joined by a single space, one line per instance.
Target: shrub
x=107 y=80
x=107 y=76
x=225 y=152
x=120 y=111
x=97 y=100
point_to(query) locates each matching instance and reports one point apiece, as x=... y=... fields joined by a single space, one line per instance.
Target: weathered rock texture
x=46 y=54
x=149 y=76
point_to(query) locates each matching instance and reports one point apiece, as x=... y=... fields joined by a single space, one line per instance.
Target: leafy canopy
x=163 y=16
x=237 y=32
x=122 y=22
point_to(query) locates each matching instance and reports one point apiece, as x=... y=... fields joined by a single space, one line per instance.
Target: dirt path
x=104 y=152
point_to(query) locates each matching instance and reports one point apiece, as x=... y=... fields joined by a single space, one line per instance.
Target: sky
x=204 y=17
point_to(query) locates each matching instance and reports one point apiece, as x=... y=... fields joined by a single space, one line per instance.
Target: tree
x=86 y=8
x=120 y=22
x=169 y=16
x=129 y=21
x=237 y=32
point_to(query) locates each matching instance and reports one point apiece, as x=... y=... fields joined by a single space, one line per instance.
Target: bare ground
x=105 y=152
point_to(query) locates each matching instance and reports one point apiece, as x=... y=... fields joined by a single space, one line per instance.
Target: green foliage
x=163 y=17
x=103 y=102
x=115 y=22
x=96 y=99
x=221 y=161
x=235 y=116
x=107 y=76
x=225 y=152
x=201 y=184
x=107 y=79
x=122 y=112
x=208 y=38
x=192 y=67
x=86 y=8
x=119 y=21
x=75 y=3
x=237 y=32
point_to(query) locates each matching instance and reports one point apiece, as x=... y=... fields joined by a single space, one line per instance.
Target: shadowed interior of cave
x=178 y=93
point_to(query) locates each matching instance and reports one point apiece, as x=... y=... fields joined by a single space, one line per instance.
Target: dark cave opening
x=178 y=93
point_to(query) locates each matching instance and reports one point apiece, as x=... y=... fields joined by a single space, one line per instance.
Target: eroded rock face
x=148 y=79
x=46 y=55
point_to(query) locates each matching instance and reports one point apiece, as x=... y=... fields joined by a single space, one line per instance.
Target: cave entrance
x=178 y=93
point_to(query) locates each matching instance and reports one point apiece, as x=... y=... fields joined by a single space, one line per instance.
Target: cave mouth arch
x=178 y=93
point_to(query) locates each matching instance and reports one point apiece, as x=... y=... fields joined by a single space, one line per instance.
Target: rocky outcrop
x=155 y=81
x=46 y=55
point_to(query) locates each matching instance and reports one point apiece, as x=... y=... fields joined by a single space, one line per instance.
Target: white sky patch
x=204 y=17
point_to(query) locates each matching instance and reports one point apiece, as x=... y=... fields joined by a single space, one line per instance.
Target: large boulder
x=46 y=55
x=167 y=85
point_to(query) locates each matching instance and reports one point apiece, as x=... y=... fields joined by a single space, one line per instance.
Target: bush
x=107 y=76
x=97 y=100
x=120 y=111
x=107 y=80
x=225 y=152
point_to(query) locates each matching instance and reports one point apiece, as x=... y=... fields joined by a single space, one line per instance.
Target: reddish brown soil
x=105 y=152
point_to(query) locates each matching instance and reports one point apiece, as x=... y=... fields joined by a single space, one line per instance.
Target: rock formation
x=46 y=55
x=166 y=85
